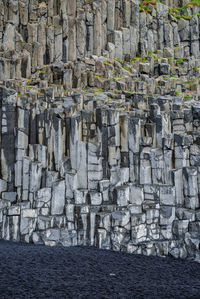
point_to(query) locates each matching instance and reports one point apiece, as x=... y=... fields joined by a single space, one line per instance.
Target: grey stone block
x=58 y=198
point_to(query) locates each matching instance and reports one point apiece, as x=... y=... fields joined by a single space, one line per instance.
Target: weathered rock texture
x=100 y=150
x=35 y=33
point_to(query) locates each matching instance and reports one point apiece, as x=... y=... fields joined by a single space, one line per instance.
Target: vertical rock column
x=58 y=40
x=97 y=31
x=21 y=145
x=133 y=139
x=143 y=33
x=1 y=22
x=72 y=30
x=80 y=33
x=8 y=123
x=111 y=15
x=104 y=16
x=194 y=35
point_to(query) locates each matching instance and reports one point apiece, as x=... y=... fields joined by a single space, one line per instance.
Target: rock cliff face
x=35 y=33
x=100 y=125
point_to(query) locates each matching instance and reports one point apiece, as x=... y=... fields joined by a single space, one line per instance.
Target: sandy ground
x=29 y=271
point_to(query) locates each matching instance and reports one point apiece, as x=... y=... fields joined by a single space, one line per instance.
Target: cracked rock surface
x=99 y=125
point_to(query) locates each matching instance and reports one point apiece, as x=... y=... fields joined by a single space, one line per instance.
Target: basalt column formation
x=100 y=124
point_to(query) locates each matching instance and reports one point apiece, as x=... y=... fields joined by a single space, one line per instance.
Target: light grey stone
x=167 y=195
x=29 y=213
x=122 y=194
x=167 y=215
x=9 y=196
x=3 y=185
x=96 y=198
x=136 y=195
x=58 y=198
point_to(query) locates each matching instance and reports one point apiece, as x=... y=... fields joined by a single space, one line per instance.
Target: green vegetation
x=179 y=12
x=144 y=5
x=177 y=16
x=176 y=12
x=186 y=97
x=118 y=78
x=97 y=76
x=180 y=59
x=129 y=91
x=119 y=60
x=171 y=76
x=128 y=69
x=141 y=59
x=89 y=2
x=114 y=79
x=189 y=82
x=106 y=62
x=154 y=54
x=193 y=2
x=98 y=91
x=150 y=53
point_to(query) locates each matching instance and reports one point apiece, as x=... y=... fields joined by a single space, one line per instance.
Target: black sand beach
x=29 y=271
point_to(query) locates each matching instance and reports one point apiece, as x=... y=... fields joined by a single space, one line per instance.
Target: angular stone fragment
x=35 y=176
x=96 y=198
x=58 y=198
x=52 y=235
x=68 y=238
x=120 y=218
x=167 y=215
x=167 y=195
x=70 y=183
x=180 y=228
x=118 y=44
x=122 y=195
x=29 y=213
x=111 y=15
x=9 y=196
x=139 y=233
x=136 y=195
x=81 y=166
x=42 y=196
x=14 y=210
x=9 y=38
x=3 y=185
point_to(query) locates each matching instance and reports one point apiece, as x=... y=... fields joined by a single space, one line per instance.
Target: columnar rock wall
x=35 y=33
x=98 y=146
x=79 y=170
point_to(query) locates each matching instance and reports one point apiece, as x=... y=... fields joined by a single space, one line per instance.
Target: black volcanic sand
x=29 y=271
